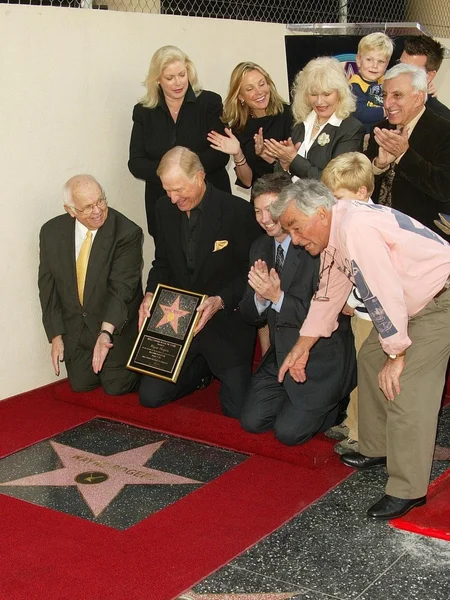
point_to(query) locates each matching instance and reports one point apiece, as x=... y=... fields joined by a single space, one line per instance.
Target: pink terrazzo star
x=172 y=314
x=260 y=596
x=100 y=478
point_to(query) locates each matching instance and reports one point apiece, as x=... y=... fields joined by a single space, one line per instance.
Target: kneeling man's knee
x=250 y=422
x=291 y=436
x=153 y=395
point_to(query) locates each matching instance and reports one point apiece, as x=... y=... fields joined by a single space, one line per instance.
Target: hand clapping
x=265 y=283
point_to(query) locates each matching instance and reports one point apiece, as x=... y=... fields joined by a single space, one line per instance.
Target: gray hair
x=418 y=76
x=79 y=181
x=307 y=194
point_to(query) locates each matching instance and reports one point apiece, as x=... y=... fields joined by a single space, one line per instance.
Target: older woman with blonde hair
x=253 y=110
x=324 y=126
x=175 y=111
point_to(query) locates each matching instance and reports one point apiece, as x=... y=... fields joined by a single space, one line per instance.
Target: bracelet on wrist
x=108 y=333
x=241 y=162
x=222 y=303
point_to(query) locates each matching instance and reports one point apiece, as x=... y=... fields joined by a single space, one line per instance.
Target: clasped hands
x=392 y=143
x=266 y=283
x=284 y=151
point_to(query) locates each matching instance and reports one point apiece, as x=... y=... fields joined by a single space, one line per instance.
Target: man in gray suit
x=282 y=281
x=90 y=288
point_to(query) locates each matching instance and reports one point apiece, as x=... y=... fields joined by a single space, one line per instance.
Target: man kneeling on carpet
x=202 y=239
x=401 y=269
x=282 y=280
x=90 y=288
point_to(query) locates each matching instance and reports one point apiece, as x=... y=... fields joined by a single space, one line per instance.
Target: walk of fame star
x=100 y=478
x=231 y=596
x=172 y=314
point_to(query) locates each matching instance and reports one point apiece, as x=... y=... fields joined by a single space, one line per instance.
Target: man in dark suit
x=90 y=288
x=427 y=53
x=282 y=281
x=410 y=150
x=202 y=240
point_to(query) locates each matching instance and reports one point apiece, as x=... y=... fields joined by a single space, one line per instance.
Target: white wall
x=68 y=80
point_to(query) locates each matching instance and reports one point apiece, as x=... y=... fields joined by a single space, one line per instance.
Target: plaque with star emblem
x=166 y=335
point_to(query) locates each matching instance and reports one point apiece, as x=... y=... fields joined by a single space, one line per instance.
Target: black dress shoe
x=359 y=461
x=390 y=507
x=205 y=381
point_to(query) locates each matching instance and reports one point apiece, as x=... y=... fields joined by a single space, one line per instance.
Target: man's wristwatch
x=108 y=333
x=394 y=356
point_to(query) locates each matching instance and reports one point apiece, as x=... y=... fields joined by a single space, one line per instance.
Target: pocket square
x=220 y=245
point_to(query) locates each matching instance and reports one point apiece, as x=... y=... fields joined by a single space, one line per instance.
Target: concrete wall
x=69 y=79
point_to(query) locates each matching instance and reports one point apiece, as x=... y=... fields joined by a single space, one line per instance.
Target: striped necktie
x=279 y=259
x=82 y=264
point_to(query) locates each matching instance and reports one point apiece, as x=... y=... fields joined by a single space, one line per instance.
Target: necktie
x=82 y=264
x=279 y=259
x=385 y=194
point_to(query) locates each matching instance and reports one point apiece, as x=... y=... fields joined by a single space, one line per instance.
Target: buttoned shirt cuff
x=261 y=307
x=277 y=305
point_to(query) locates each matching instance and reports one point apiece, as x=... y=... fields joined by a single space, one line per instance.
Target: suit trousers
x=114 y=377
x=234 y=382
x=361 y=329
x=405 y=430
x=268 y=406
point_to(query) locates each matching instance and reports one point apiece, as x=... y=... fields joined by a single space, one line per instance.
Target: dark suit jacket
x=438 y=108
x=299 y=282
x=348 y=137
x=421 y=187
x=113 y=290
x=155 y=132
x=225 y=340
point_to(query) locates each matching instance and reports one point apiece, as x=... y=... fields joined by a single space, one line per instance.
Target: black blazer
x=155 y=132
x=299 y=281
x=226 y=340
x=113 y=290
x=348 y=137
x=421 y=186
x=277 y=127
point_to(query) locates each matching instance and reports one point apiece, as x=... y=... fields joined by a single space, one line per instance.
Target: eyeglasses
x=87 y=210
x=323 y=297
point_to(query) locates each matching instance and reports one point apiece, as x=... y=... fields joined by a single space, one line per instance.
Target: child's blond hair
x=349 y=171
x=376 y=41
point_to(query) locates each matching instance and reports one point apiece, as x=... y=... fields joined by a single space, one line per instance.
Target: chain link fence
x=434 y=15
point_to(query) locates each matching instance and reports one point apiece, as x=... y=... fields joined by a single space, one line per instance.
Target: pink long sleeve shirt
x=397 y=264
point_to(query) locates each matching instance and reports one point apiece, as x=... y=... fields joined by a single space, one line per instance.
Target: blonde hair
x=376 y=41
x=235 y=113
x=182 y=157
x=163 y=57
x=350 y=171
x=324 y=74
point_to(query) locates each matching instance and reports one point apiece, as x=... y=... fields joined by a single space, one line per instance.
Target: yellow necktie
x=82 y=264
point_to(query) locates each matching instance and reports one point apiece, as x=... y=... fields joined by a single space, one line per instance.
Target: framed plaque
x=166 y=335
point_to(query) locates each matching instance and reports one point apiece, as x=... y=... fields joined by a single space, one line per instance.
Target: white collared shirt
x=80 y=234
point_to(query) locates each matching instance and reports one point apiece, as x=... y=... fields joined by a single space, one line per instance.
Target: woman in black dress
x=253 y=111
x=174 y=112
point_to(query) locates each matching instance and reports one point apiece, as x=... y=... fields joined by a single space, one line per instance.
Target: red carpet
x=433 y=519
x=52 y=555
x=199 y=418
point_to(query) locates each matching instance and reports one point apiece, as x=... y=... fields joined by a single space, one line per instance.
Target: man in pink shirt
x=401 y=270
